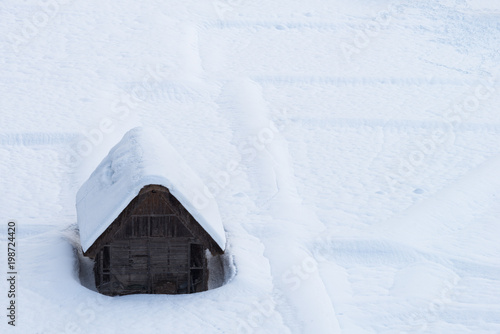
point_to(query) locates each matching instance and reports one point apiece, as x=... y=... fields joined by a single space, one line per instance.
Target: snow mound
x=141 y=158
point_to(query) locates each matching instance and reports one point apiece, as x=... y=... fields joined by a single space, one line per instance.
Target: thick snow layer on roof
x=141 y=158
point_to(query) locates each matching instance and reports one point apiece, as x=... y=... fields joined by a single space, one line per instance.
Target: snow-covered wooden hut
x=143 y=219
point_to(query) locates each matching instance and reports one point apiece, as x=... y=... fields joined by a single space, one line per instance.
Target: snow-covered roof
x=141 y=158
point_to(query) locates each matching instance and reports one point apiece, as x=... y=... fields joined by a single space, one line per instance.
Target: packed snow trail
x=284 y=226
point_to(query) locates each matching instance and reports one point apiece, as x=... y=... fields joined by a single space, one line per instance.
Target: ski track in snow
x=332 y=224
x=270 y=177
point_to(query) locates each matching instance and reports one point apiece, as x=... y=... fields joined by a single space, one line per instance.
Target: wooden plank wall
x=153 y=251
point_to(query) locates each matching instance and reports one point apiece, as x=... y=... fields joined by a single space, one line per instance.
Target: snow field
x=358 y=189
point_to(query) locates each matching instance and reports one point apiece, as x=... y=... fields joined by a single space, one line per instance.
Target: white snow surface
x=141 y=158
x=352 y=148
